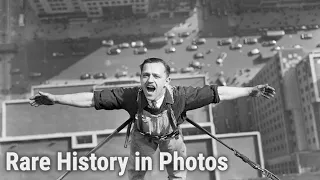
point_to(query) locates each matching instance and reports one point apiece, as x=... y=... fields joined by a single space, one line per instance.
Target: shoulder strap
x=133 y=118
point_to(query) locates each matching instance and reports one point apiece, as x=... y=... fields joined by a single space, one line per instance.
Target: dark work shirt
x=185 y=99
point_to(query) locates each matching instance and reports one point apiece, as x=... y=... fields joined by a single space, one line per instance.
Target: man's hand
x=42 y=99
x=263 y=90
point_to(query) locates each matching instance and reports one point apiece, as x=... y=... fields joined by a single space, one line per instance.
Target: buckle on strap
x=174 y=134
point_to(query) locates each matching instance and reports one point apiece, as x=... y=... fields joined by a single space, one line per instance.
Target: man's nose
x=151 y=79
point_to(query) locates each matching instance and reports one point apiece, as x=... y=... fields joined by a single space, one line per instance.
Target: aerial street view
x=153 y=89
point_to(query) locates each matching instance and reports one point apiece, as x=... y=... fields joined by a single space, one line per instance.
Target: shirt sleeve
x=197 y=97
x=118 y=98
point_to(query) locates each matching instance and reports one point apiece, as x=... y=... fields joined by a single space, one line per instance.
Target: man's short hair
x=156 y=60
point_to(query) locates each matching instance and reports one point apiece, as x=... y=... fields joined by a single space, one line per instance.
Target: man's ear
x=168 y=80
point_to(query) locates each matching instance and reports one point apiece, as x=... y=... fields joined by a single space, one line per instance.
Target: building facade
x=110 y=8
x=260 y=4
x=89 y=8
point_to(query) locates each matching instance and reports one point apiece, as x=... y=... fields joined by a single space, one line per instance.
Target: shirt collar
x=167 y=99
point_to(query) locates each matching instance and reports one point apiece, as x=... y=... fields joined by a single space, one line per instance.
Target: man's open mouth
x=150 y=88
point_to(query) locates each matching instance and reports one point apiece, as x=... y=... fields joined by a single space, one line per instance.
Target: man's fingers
x=265 y=96
x=270 y=91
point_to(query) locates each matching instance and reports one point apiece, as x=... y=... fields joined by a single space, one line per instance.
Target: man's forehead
x=154 y=67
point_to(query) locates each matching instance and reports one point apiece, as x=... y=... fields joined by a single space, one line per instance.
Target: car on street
x=187 y=70
x=224 y=42
x=108 y=43
x=297 y=46
x=236 y=46
x=170 y=35
x=192 y=48
x=199 y=41
x=222 y=56
x=124 y=45
x=177 y=41
x=276 y=48
x=142 y=50
x=114 y=51
x=196 y=65
x=185 y=34
x=137 y=44
x=170 y=50
x=253 y=52
x=269 y=43
x=85 y=76
x=306 y=36
x=121 y=74
x=198 y=55
x=100 y=76
x=173 y=70
x=250 y=41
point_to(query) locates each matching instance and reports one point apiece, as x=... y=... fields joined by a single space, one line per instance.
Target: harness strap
x=138 y=119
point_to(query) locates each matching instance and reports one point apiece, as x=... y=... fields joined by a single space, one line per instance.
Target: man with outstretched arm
x=157 y=108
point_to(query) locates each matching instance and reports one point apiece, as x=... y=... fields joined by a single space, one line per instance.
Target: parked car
x=124 y=45
x=142 y=50
x=121 y=74
x=100 y=76
x=198 y=55
x=269 y=43
x=199 y=41
x=250 y=41
x=137 y=44
x=170 y=35
x=254 y=52
x=196 y=65
x=306 y=36
x=236 y=46
x=114 y=51
x=225 y=42
x=85 y=76
x=185 y=34
x=187 y=70
x=173 y=70
x=192 y=48
x=177 y=41
x=108 y=43
x=222 y=56
x=170 y=50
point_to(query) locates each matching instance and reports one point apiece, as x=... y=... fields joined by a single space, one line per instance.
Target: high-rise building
x=307 y=76
x=289 y=123
x=234 y=115
x=274 y=117
x=110 y=8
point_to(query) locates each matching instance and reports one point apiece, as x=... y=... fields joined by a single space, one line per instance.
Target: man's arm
x=196 y=97
x=230 y=93
x=82 y=100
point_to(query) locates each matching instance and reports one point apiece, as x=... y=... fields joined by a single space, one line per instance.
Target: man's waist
x=173 y=134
